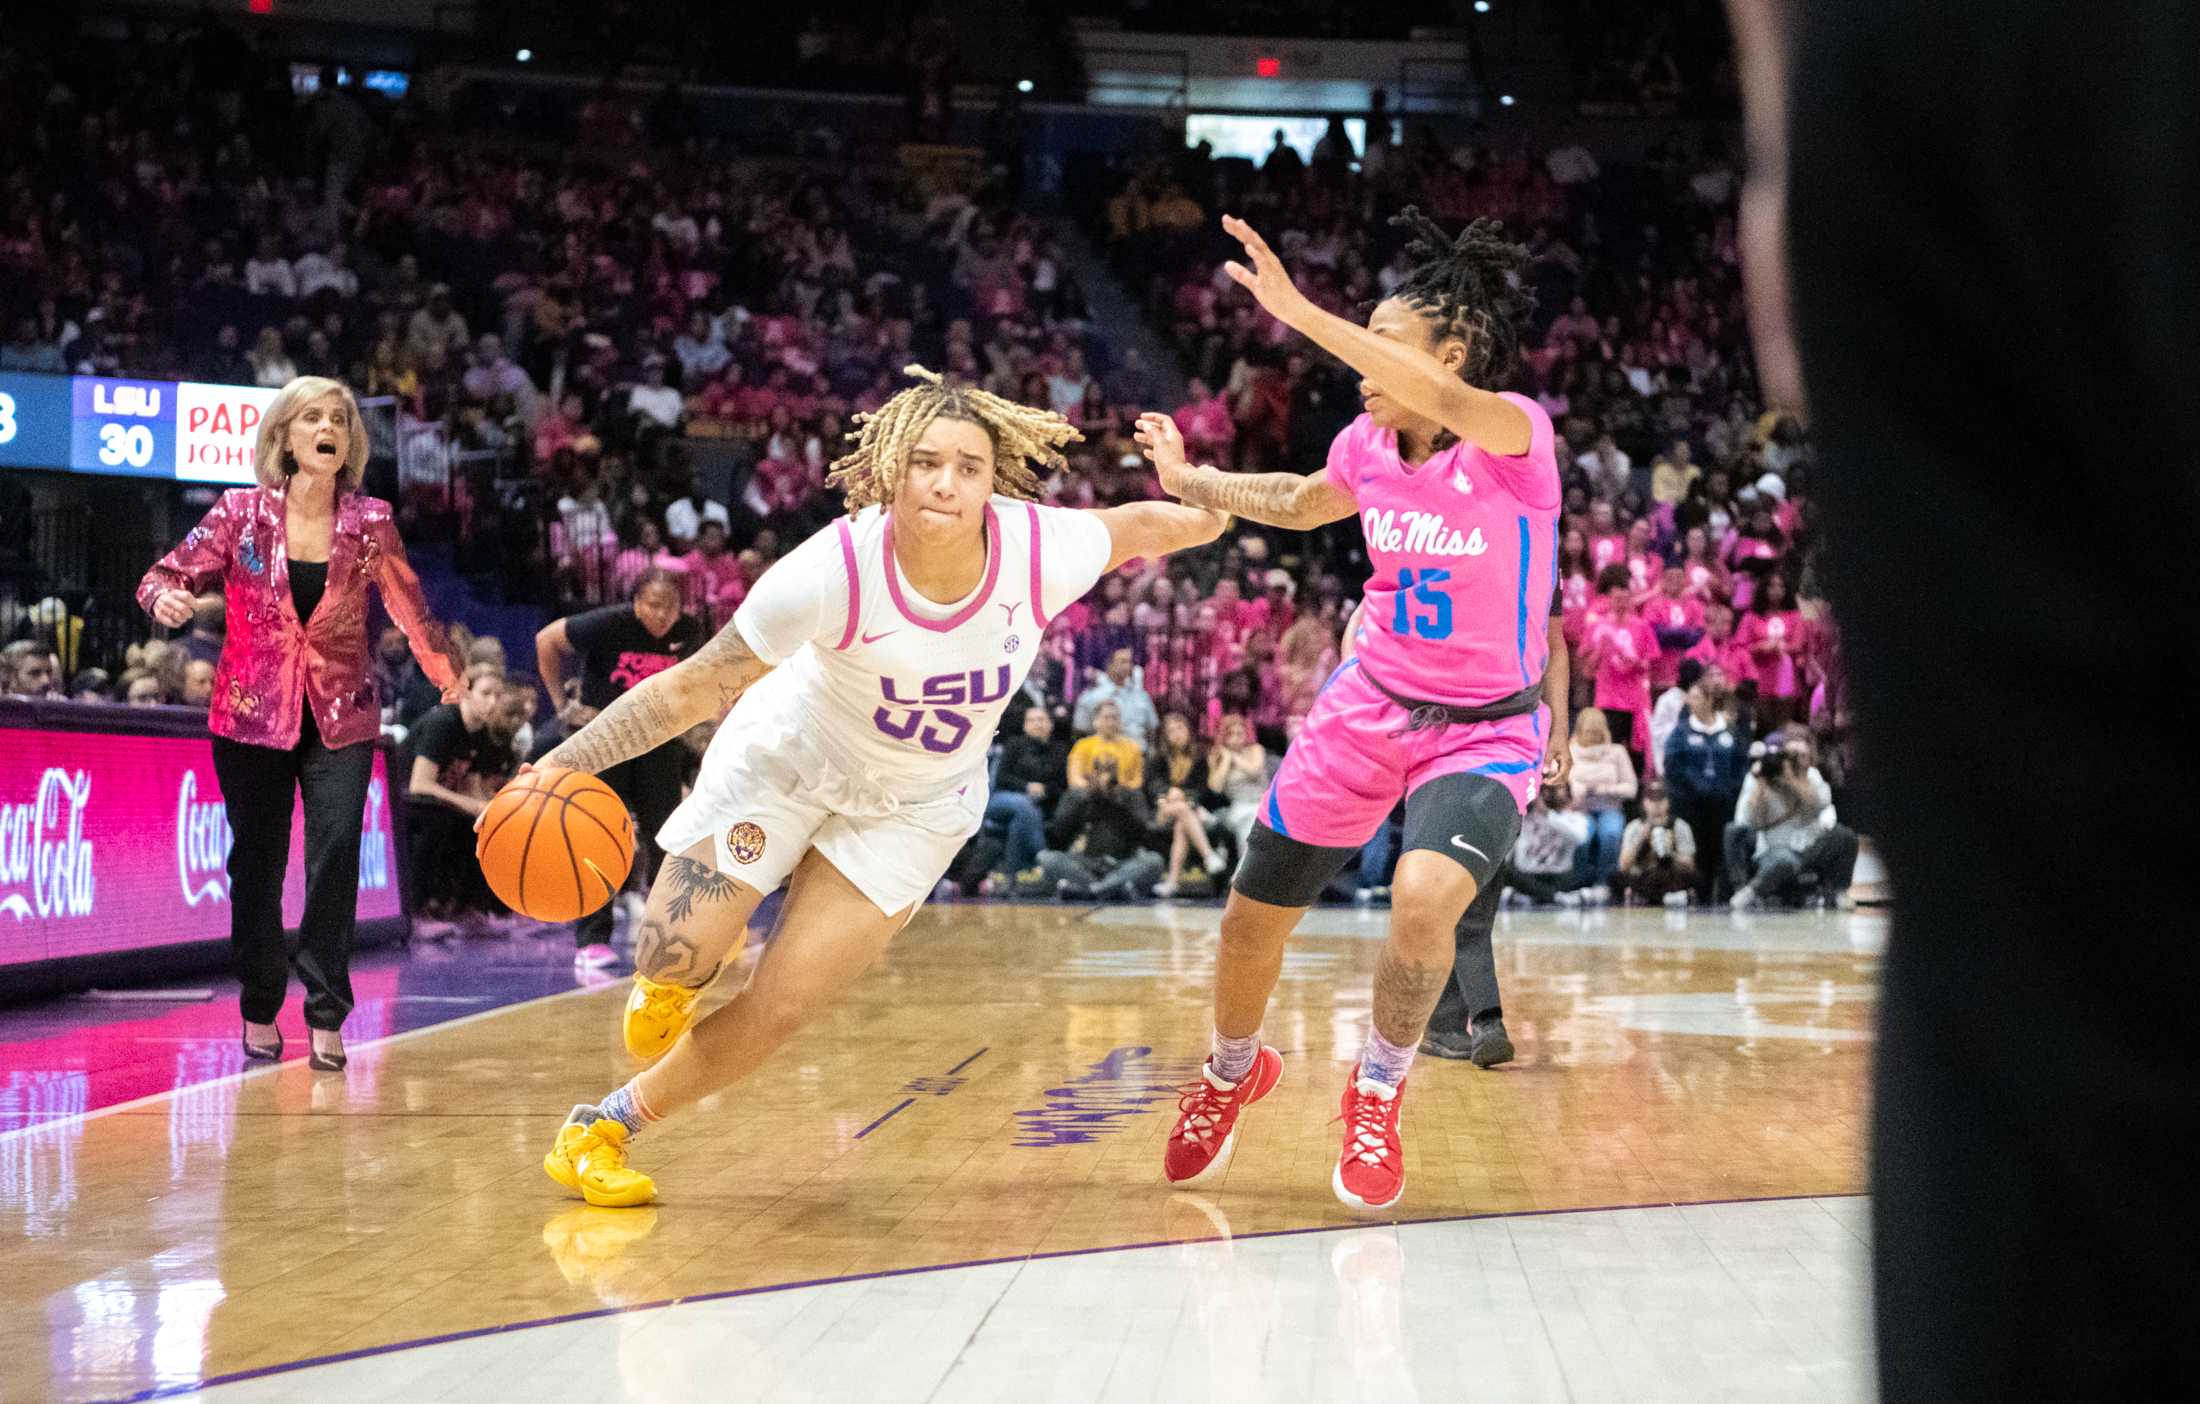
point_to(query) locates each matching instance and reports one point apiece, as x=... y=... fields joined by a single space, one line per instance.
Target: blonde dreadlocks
x=1022 y=437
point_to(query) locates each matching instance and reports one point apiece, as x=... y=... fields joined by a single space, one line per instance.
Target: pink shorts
x=1354 y=761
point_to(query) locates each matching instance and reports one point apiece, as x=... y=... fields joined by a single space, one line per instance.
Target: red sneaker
x=1206 y=1124
x=1371 y=1170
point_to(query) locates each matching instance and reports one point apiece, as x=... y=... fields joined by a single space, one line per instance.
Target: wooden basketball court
x=998 y=1090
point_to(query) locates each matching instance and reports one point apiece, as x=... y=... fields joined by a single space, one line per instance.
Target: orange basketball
x=555 y=844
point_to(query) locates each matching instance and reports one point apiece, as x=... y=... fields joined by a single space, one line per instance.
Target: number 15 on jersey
x=1423 y=608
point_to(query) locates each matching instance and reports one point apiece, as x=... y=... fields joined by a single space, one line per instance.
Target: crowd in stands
x=662 y=358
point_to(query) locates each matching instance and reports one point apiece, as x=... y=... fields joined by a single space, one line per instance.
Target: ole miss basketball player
x=871 y=668
x=1457 y=488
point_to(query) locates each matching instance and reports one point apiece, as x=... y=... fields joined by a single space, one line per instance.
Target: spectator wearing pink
x=1676 y=617
x=1644 y=564
x=1751 y=548
x=560 y=429
x=1206 y=425
x=1270 y=612
x=1575 y=324
x=1618 y=648
x=1718 y=648
x=581 y=538
x=776 y=485
x=1607 y=546
x=645 y=552
x=1305 y=658
x=720 y=398
x=1158 y=609
x=1706 y=578
x=716 y=582
x=1773 y=634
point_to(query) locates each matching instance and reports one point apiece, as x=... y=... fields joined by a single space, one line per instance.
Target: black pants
x=1473 y=988
x=1778 y=873
x=650 y=785
x=1708 y=822
x=1964 y=175
x=257 y=785
x=444 y=875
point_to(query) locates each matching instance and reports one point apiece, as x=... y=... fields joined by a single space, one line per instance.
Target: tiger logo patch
x=745 y=841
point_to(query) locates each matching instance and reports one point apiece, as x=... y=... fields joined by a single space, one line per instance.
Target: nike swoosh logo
x=874 y=638
x=1458 y=841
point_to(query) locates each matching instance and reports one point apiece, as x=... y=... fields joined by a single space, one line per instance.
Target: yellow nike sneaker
x=656 y=1015
x=590 y=1158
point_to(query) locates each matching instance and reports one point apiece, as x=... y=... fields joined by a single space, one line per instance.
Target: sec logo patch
x=746 y=842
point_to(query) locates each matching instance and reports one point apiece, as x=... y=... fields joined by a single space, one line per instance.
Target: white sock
x=1232 y=1058
x=1385 y=1062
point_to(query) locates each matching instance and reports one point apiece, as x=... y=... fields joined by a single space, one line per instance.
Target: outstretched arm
x=689 y=693
x=1412 y=377
x=1146 y=529
x=1288 y=500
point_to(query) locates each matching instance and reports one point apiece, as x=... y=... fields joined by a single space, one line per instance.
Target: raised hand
x=1163 y=444
x=1265 y=278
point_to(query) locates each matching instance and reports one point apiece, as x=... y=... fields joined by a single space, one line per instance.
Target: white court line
x=78 y=1118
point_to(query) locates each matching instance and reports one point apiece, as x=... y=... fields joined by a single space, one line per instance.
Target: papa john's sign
x=116 y=843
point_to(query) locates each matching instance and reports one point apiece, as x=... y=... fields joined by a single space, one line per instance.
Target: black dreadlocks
x=1473 y=287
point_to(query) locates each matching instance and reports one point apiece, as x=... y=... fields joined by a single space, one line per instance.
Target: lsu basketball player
x=1457 y=488
x=867 y=672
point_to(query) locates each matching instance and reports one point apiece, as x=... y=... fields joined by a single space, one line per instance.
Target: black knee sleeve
x=1470 y=819
x=1284 y=872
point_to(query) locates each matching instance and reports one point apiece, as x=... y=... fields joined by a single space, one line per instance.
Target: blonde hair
x=1022 y=439
x=1591 y=728
x=271 y=461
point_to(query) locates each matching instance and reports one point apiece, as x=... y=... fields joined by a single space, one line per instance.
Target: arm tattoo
x=1405 y=995
x=691 y=881
x=635 y=723
x=730 y=665
x=666 y=956
x=1275 y=499
x=699 y=689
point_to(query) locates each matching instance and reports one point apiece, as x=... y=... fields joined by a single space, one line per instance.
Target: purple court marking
x=967 y=1062
x=903 y=1105
x=169 y=1391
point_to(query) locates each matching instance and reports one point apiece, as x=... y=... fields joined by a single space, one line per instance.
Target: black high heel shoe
x=324 y=1062
x=257 y=1053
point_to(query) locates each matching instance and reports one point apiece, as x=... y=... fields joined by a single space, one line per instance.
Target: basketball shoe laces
x=1201 y=1104
x=660 y=1000
x=1374 y=1125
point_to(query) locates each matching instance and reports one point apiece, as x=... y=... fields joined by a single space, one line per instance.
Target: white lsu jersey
x=899 y=690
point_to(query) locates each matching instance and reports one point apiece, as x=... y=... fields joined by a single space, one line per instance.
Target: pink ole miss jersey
x=1464 y=551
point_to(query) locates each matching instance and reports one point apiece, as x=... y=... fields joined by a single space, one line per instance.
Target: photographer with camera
x=1098 y=837
x=1657 y=856
x=1785 y=829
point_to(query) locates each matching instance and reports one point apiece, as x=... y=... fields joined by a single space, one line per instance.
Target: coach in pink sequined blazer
x=294 y=711
x=272 y=660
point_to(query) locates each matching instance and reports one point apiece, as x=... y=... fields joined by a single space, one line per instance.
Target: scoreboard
x=187 y=431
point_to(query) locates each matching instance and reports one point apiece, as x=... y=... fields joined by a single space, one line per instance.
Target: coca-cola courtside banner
x=117 y=843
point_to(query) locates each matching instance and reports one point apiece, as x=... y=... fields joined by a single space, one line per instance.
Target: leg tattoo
x=666 y=955
x=692 y=882
x=1405 y=993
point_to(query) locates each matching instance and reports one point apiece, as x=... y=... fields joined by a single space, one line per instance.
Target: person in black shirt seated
x=1033 y=772
x=1105 y=824
x=1184 y=808
x=619 y=647
x=453 y=756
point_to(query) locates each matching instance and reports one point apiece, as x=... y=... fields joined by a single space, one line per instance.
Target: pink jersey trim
x=1038 y=598
x=977 y=601
x=855 y=583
